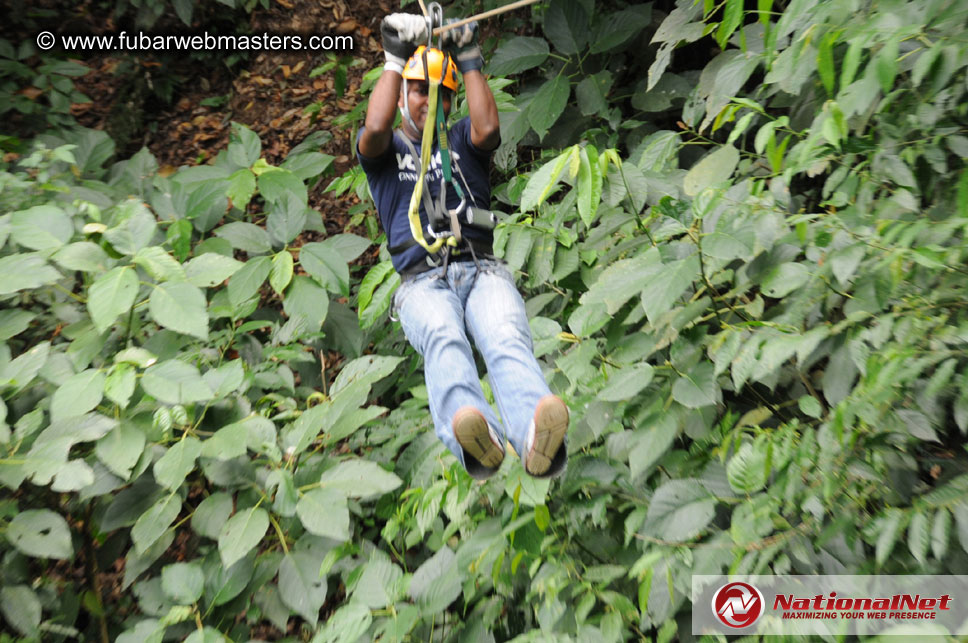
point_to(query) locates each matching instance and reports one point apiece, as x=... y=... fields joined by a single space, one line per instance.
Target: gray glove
x=461 y=44
x=401 y=32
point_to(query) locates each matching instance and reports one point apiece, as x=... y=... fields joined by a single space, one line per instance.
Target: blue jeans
x=440 y=317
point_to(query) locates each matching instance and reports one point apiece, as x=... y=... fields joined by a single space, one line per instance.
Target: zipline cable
x=481 y=16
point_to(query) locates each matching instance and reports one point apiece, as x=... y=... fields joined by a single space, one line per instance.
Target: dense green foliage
x=746 y=278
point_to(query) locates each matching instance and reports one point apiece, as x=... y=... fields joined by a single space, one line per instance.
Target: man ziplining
x=431 y=189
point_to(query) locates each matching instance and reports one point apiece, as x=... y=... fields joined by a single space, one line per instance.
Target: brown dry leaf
x=31 y=92
x=299 y=66
x=346 y=27
x=287 y=5
x=166 y=170
x=286 y=71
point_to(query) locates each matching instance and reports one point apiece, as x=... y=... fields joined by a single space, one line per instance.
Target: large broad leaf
x=155 y=522
x=327 y=265
x=245 y=146
x=625 y=383
x=667 y=285
x=548 y=104
x=211 y=269
x=40 y=533
x=121 y=449
x=177 y=462
x=183 y=582
x=617 y=27
x=78 y=395
x=436 y=583
x=697 y=388
x=241 y=188
x=159 y=264
x=42 y=227
x=246 y=236
x=180 y=306
x=300 y=586
x=23 y=271
x=651 y=443
x=566 y=25
x=227 y=443
x=679 y=511
x=378 y=585
x=211 y=514
x=277 y=184
x=287 y=218
x=175 y=382
x=306 y=299
x=368 y=369
x=784 y=279
x=713 y=169
x=543 y=182
x=622 y=280
x=135 y=230
x=361 y=479
x=21 y=608
x=246 y=282
x=111 y=295
x=241 y=534
x=323 y=512
x=517 y=55
x=281 y=273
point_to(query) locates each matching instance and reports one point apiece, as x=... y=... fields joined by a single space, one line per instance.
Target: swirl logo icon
x=738 y=605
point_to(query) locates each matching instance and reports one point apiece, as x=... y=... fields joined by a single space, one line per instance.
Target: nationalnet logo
x=738 y=605
x=827 y=605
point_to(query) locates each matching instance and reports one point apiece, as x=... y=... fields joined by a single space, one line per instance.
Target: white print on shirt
x=405 y=161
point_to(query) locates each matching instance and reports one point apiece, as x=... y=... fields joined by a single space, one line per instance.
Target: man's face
x=417 y=91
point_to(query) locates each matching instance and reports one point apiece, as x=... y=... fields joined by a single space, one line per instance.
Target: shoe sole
x=471 y=432
x=550 y=427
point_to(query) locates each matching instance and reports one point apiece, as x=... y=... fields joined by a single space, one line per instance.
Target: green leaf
x=548 y=104
x=327 y=265
x=210 y=269
x=246 y=237
x=542 y=183
x=159 y=264
x=367 y=369
x=306 y=299
x=180 y=306
x=42 y=227
x=121 y=449
x=746 y=470
x=940 y=533
x=277 y=184
x=713 y=169
x=679 y=511
x=177 y=462
x=324 y=512
x=227 y=443
x=21 y=371
x=890 y=527
x=697 y=388
x=361 y=479
x=300 y=586
x=25 y=271
x=589 y=186
x=112 y=294
x=242 y=533
x=245 y=146
x=175 y=382
x=183 y=582
x=78 y=395
x=732 y=18
x=211 y=514
x=651 y=443
x=281 y=273
x=348 y=623
x=626 y=383
x=136 y=228
x=517 y=55
x=784 y=279
x=617 y=27
x=566 y=25
x=825 y=61
x=245 y=283
x=592 y=93
x=308 y=165
x=241 y=188
x=13 y=322
x=919 y=537
x=286 y=219
x=667 y=285
x=155 y=522
x=810 y=406
x=21 y=608
x=885 y=63
x=40 y=533
x=379 y=301
x=436 y=583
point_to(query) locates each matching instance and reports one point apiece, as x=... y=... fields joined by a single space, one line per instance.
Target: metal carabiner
x=435 y=19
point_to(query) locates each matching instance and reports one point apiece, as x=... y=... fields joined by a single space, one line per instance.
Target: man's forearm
x=380 y=114
x=485 y=124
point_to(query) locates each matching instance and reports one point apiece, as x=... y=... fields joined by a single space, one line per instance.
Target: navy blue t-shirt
x=393 y=175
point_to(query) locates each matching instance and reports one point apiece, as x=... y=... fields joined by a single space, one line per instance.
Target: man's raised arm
x=485 y=126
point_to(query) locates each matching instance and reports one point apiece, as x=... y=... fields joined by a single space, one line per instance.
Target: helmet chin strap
x=406 y=108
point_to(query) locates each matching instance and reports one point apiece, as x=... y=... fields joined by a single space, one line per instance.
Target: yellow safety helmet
x=415 y=70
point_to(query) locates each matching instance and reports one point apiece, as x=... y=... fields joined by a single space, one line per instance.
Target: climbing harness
x=443 y=230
